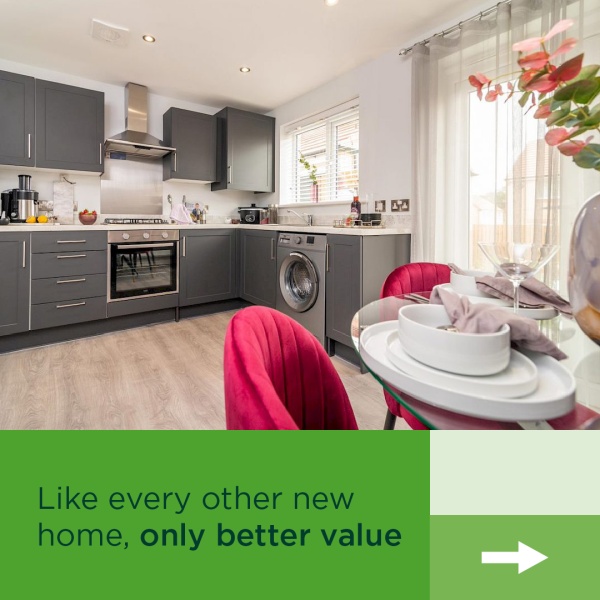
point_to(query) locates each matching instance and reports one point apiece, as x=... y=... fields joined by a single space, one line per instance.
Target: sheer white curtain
x=482 y=168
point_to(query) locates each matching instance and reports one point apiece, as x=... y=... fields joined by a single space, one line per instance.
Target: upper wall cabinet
x=195 y=137
x=69 y=127
x=245 y=151
x=47 y=124
x=17 y=119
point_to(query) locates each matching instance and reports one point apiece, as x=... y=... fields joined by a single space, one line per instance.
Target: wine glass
x=518 y=261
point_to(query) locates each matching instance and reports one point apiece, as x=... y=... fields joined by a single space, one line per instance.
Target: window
x=320 y=158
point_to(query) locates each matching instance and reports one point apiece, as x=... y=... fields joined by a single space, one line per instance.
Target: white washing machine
x=301 y=263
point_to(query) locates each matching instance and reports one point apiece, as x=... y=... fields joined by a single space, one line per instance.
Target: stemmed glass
x=518 y=261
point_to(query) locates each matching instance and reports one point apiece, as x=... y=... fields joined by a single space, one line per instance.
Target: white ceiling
x=292 y=46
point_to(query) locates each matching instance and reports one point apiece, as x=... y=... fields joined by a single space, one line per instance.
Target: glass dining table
x=583 y=363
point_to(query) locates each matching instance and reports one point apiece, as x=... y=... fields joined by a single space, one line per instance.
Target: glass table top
x=583 y=362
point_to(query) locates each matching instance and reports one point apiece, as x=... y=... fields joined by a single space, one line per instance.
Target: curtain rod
x=480 y=15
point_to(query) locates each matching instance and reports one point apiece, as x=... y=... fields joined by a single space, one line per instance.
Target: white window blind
x=320 y=157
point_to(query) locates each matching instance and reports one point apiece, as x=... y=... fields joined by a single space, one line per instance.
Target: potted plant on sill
x=566 y=97
x=312 y=173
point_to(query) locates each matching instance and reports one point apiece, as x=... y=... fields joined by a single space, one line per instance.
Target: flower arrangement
x=312 y=169
x=562 y=94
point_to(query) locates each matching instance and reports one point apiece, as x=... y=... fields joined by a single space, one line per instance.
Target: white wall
x=383 y=89
x=87 y=190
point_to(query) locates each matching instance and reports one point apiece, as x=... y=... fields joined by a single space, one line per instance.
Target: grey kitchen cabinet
x=17 y=119
x=258 y=266
x=245 y=151
x=68 y=278
x=208 y=266
x=14 y=283
x=194 y=135
x=69 y=127
x=356 y=269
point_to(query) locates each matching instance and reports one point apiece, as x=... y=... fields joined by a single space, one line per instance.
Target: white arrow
x=525 y=557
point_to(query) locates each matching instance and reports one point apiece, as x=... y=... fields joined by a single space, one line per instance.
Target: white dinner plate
x=543 y=312
x=553 y=397
x=518 y=379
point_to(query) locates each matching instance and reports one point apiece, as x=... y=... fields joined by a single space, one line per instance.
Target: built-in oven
x=142 y=263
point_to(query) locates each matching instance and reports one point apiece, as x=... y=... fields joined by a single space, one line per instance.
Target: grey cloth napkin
x=532 y=292
x=488 y=318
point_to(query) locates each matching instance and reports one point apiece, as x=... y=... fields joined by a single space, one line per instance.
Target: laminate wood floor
x=166 y=376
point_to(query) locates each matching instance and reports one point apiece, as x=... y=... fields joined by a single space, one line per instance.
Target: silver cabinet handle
x=24 y=255
x=327 y=258
x=175 y=162
x=183 y=246
x=229 y=169
x=100 y=153
x=59 y=256
x=28 y=145
x=70 y=241
x=58 y=282
x=272 y=248
x=70 y=305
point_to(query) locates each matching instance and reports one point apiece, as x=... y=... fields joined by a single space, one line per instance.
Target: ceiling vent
x=117 y=36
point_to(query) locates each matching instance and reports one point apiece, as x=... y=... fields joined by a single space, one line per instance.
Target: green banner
x=215 y=514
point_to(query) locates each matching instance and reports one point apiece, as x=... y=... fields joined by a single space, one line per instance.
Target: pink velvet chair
x=278 y=376
x=411 y=278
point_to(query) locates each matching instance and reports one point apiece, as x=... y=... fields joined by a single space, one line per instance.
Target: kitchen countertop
x=317 y=229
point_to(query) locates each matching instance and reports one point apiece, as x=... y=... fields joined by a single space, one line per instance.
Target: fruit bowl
x=87 y=218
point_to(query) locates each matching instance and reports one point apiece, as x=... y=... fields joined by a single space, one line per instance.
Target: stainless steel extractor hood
x=135 y=140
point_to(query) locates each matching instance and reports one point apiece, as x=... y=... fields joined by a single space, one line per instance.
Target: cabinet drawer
x=55 y=314
x=57 y=289
x=62 y=264
x=68 y=241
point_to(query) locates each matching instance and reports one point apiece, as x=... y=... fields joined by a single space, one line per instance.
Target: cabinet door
x=258 y=267
x=69 y=127
x=208 y=266
x=17 y=119
x=14 y=283
x=343 y=296
x=195 y=137
x=250 y=142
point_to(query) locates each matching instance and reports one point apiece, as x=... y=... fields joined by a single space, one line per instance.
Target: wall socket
x=400 y=205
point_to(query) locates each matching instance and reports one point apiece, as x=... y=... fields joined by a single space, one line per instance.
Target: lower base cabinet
x=356 y=269
x=258 y=267
x=207 y=266
x=14 y=283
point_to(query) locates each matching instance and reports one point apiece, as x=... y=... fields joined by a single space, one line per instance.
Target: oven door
x=142 y=270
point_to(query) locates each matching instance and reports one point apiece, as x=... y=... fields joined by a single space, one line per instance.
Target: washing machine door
x=298 y=282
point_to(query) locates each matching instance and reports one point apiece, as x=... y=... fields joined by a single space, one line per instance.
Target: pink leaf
x=572 y=147
x=556 y=136
x=542 y=112
x=543 y=85
x=568 y=70
x=537 y=60
x=527 y=45
x=558 y=28
x=566 y=46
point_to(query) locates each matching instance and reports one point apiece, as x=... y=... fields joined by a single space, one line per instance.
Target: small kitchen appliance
x=23 y=202
x=253 y=215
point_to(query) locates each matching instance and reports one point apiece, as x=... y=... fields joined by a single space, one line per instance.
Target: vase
x=314 y=192
x=584 y=268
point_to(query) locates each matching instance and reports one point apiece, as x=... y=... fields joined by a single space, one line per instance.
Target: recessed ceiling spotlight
x=149 y=38
x=245 y=69
x=331 y=2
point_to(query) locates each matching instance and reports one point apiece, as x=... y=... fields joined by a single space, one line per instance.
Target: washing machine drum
x=299 y=282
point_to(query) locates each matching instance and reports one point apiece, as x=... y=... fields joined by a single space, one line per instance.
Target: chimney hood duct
x=135 y=140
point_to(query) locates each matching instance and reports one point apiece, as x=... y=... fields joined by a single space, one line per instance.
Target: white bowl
x=463 y=353
x=465 y=284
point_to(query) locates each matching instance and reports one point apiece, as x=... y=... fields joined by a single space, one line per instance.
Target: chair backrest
x=415 y=277
x=278 y=376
